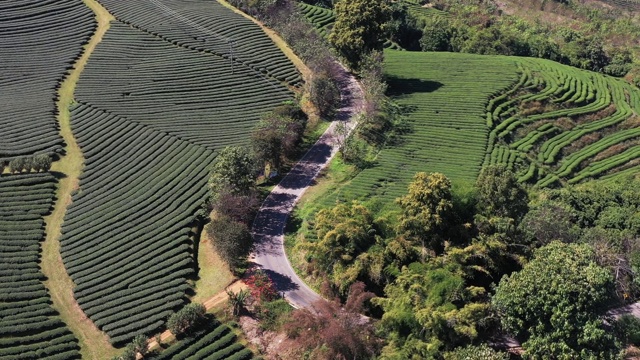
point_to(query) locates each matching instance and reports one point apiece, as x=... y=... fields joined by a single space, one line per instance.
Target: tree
x=186 y=319
x=500 y=194
x=427 y=210
x=361 y=26
x=324 y=93
x=555 y=302
x=19 y=164
x=238 y=207
x=345 y=232
x=231 y=239
x=276 y=136
x=139 y=345
x=549 y=221
x=42 y=162
x=332 y=331
x=428 y=309
x=261 y=286
x=233 y=171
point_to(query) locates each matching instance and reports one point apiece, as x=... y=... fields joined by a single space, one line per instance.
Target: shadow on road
x=301 y=176
x=283 y=283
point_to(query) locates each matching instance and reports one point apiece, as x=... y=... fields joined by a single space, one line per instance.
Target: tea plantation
x=195 y=96
x=551 y=123
x=208 y=27
x=29 y=326
x=561 y=125
x=125 y=238
x=444 y=95
x=215 y=342
x=156 y=100
x=38 y=43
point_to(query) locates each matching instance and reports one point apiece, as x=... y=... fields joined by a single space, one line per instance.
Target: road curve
x=269 y=224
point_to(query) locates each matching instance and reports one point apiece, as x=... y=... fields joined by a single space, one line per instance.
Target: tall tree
x=500 y=194
x=361 y=26
x=276 y=136
x=427 y=210
x=428 y=309
x=555 y=302
x=234 y=171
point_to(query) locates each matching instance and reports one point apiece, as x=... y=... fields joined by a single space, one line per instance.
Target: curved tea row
x=209 y=27
x=29 y=327
x=38 y=43
x=215 y=342
x=561 y=124
x=195 y=96
x=125 y=237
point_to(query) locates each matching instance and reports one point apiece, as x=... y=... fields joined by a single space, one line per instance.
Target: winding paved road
x=270 y=222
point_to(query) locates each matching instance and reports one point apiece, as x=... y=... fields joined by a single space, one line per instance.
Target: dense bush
x=186 y=319
x=231 y=239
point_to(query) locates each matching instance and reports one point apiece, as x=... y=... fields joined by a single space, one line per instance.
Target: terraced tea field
x=29 y=327
x=195 y=96
x=38 y=43
x=126 y=236
x=562 y=125
x=154 y=104
x=209 y=27
x=445 y=95
x=321 y=18
x=215 y=342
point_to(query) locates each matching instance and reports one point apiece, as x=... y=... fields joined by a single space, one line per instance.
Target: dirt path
x=94 y=344
x=270 y=222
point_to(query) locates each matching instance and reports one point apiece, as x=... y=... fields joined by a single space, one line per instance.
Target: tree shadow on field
x=402 y=86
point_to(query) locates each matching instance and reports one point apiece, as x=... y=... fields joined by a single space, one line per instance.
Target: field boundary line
x=94 y=344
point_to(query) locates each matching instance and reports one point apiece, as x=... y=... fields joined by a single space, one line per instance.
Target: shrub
x=627 y=329
x=41 y=162
x=186 y=319
x=231 y=239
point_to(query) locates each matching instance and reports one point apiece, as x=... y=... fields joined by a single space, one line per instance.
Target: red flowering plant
x=261 y=286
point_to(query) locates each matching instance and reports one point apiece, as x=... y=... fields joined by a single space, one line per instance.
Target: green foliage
x=555 y=302
x=480 y=352
x=499 y=194
x=238 y=300
x=277 y=134
x=344 y=233
x=360 y=27
x=231 y=239
x=427 y=211
x=138 y=345
x=274 y=314
x=186 y=319
x=627 y=329
x=427 y=309
x=20 y=164
x=436 y=35
x=324 y=93
x=548 y=221
x=234 y=170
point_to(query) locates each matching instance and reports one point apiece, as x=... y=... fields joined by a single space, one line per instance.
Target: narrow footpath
x=94 y=344
x=268 y=227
